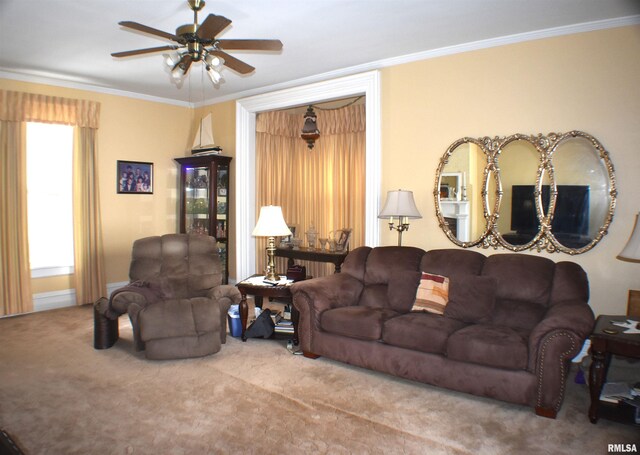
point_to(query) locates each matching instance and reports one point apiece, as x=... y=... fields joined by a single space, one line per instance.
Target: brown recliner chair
x=176 y=301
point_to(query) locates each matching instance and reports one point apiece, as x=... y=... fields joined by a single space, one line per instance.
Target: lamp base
x=270 y=272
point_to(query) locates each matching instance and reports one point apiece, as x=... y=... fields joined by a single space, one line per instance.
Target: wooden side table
x=259 y=292
x=603 y=345
x=306 y=254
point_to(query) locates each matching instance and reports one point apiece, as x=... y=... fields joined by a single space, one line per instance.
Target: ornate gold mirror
x=553 y=193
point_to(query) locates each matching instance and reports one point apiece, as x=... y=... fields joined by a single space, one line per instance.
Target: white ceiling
x=69 y=42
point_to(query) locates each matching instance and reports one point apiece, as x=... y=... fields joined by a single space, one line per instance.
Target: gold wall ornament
x=553 y=193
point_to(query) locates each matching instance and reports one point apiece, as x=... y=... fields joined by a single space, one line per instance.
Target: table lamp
x=271 y=224
x=631 y=253
x=400 y=204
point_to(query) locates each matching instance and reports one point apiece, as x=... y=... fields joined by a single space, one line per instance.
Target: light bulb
x=214 y=61
x=171 y=59
x=214 y=75
x=177 y=73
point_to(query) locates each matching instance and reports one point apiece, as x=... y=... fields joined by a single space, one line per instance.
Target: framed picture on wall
x=134 y=177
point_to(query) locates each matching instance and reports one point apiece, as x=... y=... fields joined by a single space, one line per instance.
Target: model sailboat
x=203 y=143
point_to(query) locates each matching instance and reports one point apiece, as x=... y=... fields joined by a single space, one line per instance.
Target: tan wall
x=223 y=116
x=132 y=130
x=587 y=81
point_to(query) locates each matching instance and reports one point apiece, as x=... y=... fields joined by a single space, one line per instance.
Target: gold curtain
x=324 y=186
x=17 y=108
x=15 y=273
x=89 y=277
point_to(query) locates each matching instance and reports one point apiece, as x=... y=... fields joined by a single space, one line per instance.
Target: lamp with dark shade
x=271 y=224
x=400 y=204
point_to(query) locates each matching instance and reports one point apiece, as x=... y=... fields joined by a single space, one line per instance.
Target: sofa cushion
x=384 y=261
x=471 y=299
x=401 y=290
x=425 y=332
x=432 y=294
x=521 y=277
x=452 y=262
x=356 y=321
x=517 y=314
x=489 y=345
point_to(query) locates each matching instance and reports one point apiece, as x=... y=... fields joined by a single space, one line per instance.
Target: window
x=50 y=198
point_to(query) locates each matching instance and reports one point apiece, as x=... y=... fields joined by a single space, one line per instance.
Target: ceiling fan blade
x=211 y=26
x=251 y=44
x=233 y=63
x=143 y=51
x=151 y=31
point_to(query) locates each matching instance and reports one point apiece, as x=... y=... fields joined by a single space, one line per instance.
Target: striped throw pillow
x=433 y=294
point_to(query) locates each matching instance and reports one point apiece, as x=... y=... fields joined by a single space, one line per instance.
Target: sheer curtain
x=323 y=186
x=17 y=108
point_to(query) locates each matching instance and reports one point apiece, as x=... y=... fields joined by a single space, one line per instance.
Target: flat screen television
x=571 y=215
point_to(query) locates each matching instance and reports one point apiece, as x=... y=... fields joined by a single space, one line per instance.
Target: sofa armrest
x=552 y=344
x=572 y=316
x=327 y=292
x=312 y=297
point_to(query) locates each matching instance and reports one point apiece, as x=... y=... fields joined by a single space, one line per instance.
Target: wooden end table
x=603 y=345
x=261 y=291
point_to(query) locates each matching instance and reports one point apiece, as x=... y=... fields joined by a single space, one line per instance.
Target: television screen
x=571 y=215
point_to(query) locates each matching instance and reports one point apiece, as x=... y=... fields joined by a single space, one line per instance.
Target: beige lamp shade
x=631 y=251
x=271 y=223
x=400 y=204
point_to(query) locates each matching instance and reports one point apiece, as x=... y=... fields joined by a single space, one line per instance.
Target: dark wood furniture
x=603 y=345
x=204 y=200
x=306 y=254
x=259 y=292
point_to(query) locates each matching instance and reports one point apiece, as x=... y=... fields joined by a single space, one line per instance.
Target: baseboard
x=55 y=299
x=60 y=299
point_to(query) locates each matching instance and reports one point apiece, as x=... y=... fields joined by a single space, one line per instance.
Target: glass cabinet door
x=204 y=200
x=196 y=198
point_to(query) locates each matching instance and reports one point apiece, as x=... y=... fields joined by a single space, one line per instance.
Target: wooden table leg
x=244 y=313
x=597 y=376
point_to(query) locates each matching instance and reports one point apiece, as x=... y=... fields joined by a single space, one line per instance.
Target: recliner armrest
x=226 y=295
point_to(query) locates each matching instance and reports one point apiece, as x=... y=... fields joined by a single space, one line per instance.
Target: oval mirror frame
x=603 y=157
x=545 y=194
x=459 y=204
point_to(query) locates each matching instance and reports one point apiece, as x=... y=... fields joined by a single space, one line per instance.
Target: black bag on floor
x=262 y=326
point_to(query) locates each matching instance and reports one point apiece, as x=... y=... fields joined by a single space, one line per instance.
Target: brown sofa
x=511 y=327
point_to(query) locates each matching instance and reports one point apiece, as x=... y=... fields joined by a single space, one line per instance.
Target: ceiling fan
x=199 y=43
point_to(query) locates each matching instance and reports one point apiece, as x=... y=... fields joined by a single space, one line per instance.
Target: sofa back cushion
x=524 y=284
x=569 y=282
x=390 y=275
x=452 y=263
x=521 y=277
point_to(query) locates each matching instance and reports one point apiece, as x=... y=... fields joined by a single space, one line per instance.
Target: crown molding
x=58 y=82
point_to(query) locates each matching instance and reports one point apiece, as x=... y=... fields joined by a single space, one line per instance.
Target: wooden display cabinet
x=204 y=200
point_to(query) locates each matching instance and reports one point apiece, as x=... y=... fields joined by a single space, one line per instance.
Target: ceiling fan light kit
x=199 y=43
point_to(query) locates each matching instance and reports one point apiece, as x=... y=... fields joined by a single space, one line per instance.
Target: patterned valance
x=31 y=107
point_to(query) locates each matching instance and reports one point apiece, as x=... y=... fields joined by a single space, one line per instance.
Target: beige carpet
x=60 y=396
